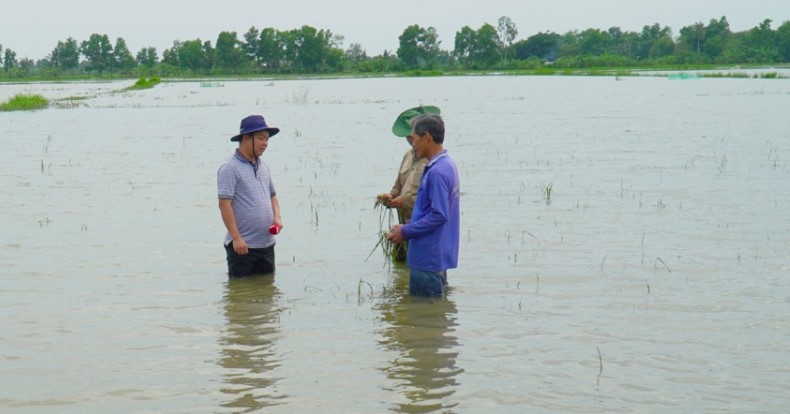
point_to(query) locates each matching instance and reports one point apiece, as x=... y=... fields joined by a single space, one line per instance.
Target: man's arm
x=276 y=212
x=229 y=219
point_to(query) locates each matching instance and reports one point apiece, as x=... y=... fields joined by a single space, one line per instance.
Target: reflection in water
x=249 y=353
x=420 y=331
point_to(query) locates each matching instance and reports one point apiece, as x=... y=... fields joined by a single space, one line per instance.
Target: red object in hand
x=274 y=229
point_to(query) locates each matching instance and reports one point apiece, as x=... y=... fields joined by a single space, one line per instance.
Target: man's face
x=420 y=143
x=260 y=140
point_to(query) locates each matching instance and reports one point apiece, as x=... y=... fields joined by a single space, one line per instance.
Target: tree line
x=309 y=50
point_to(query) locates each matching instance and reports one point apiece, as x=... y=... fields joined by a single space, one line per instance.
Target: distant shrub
x=145 y=83
x=21 y=102
x=421 y=73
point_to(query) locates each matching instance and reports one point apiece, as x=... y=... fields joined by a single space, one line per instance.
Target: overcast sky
x=32 y=28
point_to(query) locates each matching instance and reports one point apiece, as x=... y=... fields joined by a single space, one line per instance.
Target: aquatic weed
x=22 y=102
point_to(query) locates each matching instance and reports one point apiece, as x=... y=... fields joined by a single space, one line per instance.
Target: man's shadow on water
x=249 y=344
x=420 y=330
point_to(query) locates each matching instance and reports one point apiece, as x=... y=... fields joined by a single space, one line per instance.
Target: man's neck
x=247 y=156
x=434 y=151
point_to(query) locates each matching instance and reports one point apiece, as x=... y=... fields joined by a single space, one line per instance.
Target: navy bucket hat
x=254 y=123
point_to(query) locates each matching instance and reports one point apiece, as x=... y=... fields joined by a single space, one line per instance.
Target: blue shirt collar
x=241 y=158
x=436 y=157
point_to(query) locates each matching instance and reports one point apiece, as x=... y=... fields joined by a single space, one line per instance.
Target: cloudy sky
x=32 y=28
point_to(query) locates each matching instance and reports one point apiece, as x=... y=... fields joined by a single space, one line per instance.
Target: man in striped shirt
x=248 y=201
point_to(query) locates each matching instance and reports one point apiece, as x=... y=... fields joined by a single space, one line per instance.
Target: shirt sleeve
x=437 y=211
x=226 y=182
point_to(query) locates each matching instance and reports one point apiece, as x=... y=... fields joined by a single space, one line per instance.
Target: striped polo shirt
x=251 y=190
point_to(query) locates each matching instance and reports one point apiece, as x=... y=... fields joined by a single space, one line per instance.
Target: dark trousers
x=424 y=283
x=256 y=262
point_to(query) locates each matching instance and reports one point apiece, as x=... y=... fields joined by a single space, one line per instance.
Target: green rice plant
x=547 y=193
x=391 y=251
x=360 y=297
x=22 y=102
x=144 y=83
x=70 y=102
x=300 y=97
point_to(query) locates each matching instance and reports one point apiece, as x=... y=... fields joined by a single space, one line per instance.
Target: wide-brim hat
x=402 y=125
x=254 y=123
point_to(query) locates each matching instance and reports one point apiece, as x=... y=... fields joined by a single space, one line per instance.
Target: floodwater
x=625 y=249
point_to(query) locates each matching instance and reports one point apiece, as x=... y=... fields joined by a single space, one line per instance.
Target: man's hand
x=384 y=199
x=240 y=246
x=395 y=234
x=396 y=202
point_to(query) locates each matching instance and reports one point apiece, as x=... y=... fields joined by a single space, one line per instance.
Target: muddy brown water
x=626 y=248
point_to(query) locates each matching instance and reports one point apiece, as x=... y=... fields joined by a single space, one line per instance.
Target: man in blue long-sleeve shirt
x=434 y=230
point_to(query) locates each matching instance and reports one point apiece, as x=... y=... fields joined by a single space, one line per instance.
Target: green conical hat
x=402 y=125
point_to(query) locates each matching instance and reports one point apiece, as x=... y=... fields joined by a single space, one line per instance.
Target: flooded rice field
x=625 y=249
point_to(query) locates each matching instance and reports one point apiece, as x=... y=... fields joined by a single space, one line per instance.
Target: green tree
x=355 y=54
x=545 y=46
x=170 y=56
x=486 y=47
x=271 y=49
x=209 y=56
x=693 y=37
x=147 y=57
x=594 y=42
x=250 y=45
x=25 y=67
x=309 y=48
x=419 y=47
x=758 y=44
x=409 y=46
x=617 y=43
x=507 y=33
x=385 y=62
x=190 y=55
x=9 y=61
x=569 y=44
x=290 y=49
x=655 y=41
x=717 y=33
x=464 y=42
x=122 y=58
x=429 y=47
x=661 y=47
x=230 y=56
x=782 y=39
x=66 y=55
x=98 y=52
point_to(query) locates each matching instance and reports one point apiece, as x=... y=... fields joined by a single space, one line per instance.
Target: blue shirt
x=435 y=227
x=251 y=190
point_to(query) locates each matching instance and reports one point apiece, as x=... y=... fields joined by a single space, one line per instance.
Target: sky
x=32 y=28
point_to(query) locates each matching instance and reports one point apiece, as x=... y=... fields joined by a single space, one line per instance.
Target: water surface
x=652 y=277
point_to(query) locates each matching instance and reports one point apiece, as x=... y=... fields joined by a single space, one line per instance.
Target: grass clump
x=419 y=73
x=22 y=102
x=145 y=83
x=392 y=251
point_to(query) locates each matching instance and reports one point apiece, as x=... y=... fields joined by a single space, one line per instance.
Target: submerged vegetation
x=392 y=251
x=21 y=102
x=145 y=83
